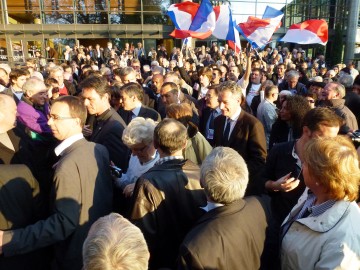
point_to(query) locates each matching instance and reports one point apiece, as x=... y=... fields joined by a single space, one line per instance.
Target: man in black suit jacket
x=131 y=96
x=20 y=205
x=82 y=192
x=108 y=126
x=209 y=113
x=241 y=131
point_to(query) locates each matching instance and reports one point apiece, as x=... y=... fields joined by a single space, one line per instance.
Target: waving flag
x=192 y=20
x=224 y=28
x=308 y=32
x=259 y=31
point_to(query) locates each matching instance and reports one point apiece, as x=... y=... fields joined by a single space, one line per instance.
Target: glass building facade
x=28 y=25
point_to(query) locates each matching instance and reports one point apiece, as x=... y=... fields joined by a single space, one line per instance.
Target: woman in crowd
x=138 y=137
x=321 y=231
x=288 y=126
x=197 y=147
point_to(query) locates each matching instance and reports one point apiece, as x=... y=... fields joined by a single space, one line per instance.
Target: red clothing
x=63 y=91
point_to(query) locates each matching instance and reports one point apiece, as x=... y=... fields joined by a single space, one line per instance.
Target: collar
x=211 y=205
x=165 y=159
x=67 y=143
x=102 y=117
x=137 y=109
x=295 y=155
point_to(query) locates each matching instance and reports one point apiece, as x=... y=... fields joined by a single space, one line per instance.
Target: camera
x=115 y=171
x=355 y=137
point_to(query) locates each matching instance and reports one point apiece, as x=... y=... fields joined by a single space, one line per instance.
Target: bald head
x=170 y=137
x=7 y=113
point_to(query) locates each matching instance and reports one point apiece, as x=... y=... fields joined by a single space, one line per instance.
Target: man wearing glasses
x=80 y=194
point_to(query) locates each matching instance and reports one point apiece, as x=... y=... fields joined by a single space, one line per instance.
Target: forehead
x=89 y=93
x=58 y=107
x=166 y=89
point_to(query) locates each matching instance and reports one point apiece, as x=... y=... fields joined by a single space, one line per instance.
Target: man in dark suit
x=241 y=131
x=108 y=126
x=167 y=198
x=20 y=205
x=214 y=242
x=209 y=113
x=131 y=96
x=82 y=192
x=98 y=55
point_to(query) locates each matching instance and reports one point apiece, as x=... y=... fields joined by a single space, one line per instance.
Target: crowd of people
x=201 y=158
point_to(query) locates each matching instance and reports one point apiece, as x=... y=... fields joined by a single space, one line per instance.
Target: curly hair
x=298 y=107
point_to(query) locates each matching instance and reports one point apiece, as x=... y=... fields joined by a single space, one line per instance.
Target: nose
x=221 y=105
x=50 y=121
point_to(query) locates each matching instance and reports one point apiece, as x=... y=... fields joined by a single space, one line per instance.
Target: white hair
x=139 y=130
x=224 y=175
x=115 y=243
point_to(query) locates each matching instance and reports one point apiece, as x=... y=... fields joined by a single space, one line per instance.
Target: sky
x=242 y=9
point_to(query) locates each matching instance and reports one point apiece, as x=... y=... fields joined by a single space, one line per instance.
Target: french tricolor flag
x=224 y=28
x=308 y=32
x=192 y=20
x=259 y=31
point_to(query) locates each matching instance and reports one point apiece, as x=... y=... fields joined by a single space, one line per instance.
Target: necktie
x=227 y=132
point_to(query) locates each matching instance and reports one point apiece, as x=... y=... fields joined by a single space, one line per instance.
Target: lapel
x=237 y=128
x=100 y=124
x=219 y=130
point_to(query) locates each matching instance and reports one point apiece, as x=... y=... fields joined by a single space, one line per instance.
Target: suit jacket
x=70 y=87
x=144 y=112
x=9 y=92
x=108 y=130
x=204 y=117
x=166 y=205
x=248 y=139
x=82 y=193
x=20 y=205
x=227 y=237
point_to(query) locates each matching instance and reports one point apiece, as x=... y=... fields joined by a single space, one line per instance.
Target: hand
x=1 y=241
x=87 y=131
x=129 y=190
x=284 y=184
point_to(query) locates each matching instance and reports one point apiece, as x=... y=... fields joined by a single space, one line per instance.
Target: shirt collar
x=67 y=143
x=137 y=109
x=211 y=205
x=164 y=159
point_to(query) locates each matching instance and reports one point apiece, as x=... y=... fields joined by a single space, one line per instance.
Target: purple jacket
x=34 y=119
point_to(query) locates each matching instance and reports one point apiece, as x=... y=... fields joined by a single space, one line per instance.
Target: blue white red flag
x=307 y=32
x=192 y=20
x=259 y=31
x=224 y=28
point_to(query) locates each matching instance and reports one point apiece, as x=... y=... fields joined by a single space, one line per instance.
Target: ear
x=306 y=131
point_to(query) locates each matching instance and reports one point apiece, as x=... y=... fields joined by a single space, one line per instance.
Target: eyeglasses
x=58 y=117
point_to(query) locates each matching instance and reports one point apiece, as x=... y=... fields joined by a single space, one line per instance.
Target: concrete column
x=353 y=19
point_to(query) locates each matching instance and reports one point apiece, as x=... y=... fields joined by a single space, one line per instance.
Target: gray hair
x=224 y=175
x=139 y=130
x=231 y=86
x=126 y=71
x=33 y=85
x=346 y=80
x=292 y=74
x=54 y=69
x=115 y=243
x=339 y=88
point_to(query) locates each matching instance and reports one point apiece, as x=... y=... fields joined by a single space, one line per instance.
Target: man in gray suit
x=82 y=192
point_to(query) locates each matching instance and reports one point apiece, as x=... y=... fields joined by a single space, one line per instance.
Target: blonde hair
x=114 y=243
x=335 y=164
